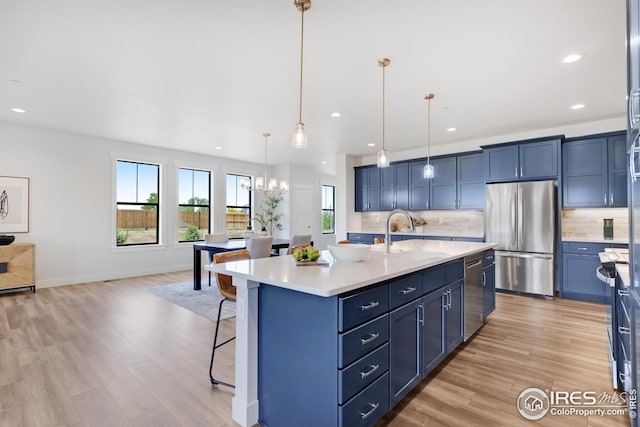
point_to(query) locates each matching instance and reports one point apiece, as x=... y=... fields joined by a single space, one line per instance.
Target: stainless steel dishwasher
x=472 y=294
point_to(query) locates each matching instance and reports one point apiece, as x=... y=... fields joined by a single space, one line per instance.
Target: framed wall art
x=14 y=204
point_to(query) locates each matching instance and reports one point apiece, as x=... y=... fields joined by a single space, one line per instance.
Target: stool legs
x=215 y=346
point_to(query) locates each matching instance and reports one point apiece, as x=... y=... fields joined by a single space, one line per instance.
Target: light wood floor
x=112 y=354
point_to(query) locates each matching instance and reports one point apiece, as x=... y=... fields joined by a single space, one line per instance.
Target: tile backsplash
x=468 y=223
x=588 y=224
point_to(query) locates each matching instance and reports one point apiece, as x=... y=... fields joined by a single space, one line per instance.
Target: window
x=328 y=209
x=138 y=203
x=194 y=189
x=238 y=206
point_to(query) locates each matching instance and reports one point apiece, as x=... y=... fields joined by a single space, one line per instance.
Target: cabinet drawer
x=583 y=248
x=360 y=238
x=488 y=258
x=404 y=290
x=454 y=270
x=358 y=342
x=361 y=373
x=360 y=307
x=433 y=278
x=367 y=407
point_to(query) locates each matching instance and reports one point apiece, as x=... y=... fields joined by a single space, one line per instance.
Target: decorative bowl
x=349 y=252
x=6 y=239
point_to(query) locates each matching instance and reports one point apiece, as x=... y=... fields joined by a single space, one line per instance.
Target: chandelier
x=261 y=182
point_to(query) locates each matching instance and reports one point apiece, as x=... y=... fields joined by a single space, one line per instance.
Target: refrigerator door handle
x=520 y=214
x=523 y=255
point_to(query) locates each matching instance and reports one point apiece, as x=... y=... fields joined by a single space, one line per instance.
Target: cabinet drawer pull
x=374 y=406
x=370 y=371
x=408 y=290
x=583 y=249
x=365 y=341
x=484 y=279
x=624 y=330
x=623 y=292
x=369 y=306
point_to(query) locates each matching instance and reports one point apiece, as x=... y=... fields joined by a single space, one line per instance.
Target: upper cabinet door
x=584 y=173
x=374 y=189
x=539 y=160
x=418 y=187
x=501 y=163
x=362 y=189
x=443 y=184
x=617 y=157
x=388 y=189
x=401 y=174
x=470 y=181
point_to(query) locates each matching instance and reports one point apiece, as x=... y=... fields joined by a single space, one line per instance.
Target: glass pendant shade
x=427 y=171
x=259 y=183
x=299 y=136
x=383 y=159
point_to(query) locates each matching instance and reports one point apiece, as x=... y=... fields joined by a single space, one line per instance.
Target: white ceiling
x=195 y=74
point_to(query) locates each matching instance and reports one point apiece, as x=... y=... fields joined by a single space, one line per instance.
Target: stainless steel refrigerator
x=521 y=218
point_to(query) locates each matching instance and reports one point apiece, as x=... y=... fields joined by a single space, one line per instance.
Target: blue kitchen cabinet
x=594 y=171
x=395 y=187
x=454 y=316
x=433 y=347
x=579 y=264
x=368 y=187
x=470 y=181
x=617 y=170
x=525 y=160
x=488 y=283
x=443 y=184
x=404 y=358
x=418 y=187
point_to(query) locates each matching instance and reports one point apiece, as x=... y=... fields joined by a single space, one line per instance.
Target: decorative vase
x=6 y=239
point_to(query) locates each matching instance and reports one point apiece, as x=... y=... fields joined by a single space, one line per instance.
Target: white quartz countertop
x=591 y=240
x=430 y=233
x=623 y=273
x=338 y=277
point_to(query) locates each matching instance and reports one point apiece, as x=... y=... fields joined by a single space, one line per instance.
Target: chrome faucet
x=387 y=232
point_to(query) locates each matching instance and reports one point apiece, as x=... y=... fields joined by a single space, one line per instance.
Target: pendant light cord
x=383 y=67
x=301 y=61
x=265 y=160
x=429 y=131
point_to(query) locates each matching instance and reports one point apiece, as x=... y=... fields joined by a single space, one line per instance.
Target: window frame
x=324 y=209
x=194 y=206
x=226 y=208
x=157 y=204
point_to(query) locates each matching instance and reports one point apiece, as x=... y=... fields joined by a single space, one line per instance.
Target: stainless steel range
x=618 y=320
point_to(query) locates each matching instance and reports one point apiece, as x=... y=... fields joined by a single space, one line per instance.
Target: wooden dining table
x=229 y=245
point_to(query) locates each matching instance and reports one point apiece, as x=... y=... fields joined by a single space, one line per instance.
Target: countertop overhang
x=338 y=277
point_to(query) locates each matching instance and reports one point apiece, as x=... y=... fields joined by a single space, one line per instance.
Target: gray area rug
x=204 y=302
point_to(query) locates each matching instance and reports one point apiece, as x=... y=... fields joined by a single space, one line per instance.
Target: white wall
x=72 y=219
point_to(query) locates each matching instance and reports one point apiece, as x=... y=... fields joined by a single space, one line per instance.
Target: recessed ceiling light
x=336 y=114
x=451 y=129
x=572 y=58
x=324 y=162
x=218 y=148
x=18 y=110
x=577 y=106
x=371 y=144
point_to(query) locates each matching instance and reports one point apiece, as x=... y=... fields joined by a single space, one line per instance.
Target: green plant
x=192 y=233
x=122 y=236
x=327 y=222
x=269 y=218
x=417 y=221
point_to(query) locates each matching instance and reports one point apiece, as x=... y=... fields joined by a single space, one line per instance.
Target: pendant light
x=262 y=184
x=383 y=155
x=299 y=135
x=428 y=171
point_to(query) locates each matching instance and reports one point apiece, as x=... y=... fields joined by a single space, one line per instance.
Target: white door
x=302 y=206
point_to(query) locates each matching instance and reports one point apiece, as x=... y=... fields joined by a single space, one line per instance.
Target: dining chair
x=214 y=238
x=260 y=247
x=298 y=240
x=228 y=292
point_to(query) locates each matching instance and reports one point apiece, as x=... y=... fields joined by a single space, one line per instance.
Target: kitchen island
x=341 y=344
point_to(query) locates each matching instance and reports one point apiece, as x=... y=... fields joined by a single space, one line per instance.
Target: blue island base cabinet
x=346 y=360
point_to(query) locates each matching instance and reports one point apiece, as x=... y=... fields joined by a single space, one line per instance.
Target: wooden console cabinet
x=17 y=266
